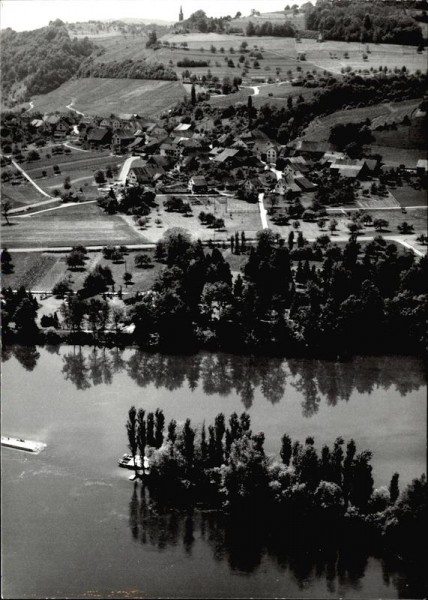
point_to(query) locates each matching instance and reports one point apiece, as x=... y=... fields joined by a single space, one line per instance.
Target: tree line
x=126 y=69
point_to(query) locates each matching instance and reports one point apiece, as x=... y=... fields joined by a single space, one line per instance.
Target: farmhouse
x=98 y=136
x=198 y=184
x=122 y=138
x=143 y=175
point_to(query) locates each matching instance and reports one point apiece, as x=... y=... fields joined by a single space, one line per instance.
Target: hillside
x=364 y=21
x=105 y=96
x=36 y=62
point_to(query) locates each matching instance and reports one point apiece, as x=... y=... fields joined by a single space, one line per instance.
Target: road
x=39 y=189
x=70 y=107
x=263 y=212
x=125 y=168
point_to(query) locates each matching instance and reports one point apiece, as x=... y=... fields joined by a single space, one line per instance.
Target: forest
x=39 y=61
x=224 y=466
x=357 y=21
x=131 y=69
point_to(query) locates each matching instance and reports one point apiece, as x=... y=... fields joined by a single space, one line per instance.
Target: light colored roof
x=422 y=164
x=183 y=127
x=199 y=180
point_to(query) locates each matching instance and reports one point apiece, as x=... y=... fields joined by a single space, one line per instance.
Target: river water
x=74 y=526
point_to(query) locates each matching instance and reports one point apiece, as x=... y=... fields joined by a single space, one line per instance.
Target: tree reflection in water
x=247 y=544
x=223 y=374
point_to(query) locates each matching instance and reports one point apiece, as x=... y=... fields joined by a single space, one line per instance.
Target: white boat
x=127 y=462
x=20 y=444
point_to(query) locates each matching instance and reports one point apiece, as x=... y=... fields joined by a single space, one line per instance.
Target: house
x=304 y=184
x=421 y=166
x=161 y=162
x=308 y=149
x=266 y=151
x=170 y=150
x=183 y=130
x=136 y=144
x=194 y=146
x=56 y=125
x=121 y=138
x=98 y=136
x=281 y=187
x=107 y=123
x=352 y=169
x=227 y=158
x=198 y=184
x=143 y=175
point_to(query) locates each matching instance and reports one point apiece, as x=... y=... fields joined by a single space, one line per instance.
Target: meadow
x=67 y=226
x=330 y=55
x=99 y=96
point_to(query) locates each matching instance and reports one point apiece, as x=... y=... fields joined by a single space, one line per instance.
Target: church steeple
x=180 y=16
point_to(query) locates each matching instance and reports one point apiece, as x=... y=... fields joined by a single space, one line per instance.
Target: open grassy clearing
x=78 y=224
x=396 y=156
x=21 y=195
x=385 y=55
x=279 y=96
x=319 y=129
x=47 y=159
x=99 y=96
x=408 y=196
x=237 y=214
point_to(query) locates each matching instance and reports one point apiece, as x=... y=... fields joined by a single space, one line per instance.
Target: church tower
x=180 y=16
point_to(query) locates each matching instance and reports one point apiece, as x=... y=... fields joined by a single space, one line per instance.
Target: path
x=148 y=246
x=70 y=107
x=68 y=145
x=65 y=205
x=60 y=185
x=15 y=211
x=125 y=169
x=263 y=212
x=39 y=189
x=31 y=106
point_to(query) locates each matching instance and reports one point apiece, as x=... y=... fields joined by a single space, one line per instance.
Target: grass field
x=102 y=97
x=408 y=196
x=329 y=55
x=21 y=195
x=78 y=224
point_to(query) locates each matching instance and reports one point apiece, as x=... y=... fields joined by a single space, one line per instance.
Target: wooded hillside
x=38 y=61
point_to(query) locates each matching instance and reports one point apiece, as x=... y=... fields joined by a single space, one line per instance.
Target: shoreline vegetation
x=351 y=301
x=224 y=467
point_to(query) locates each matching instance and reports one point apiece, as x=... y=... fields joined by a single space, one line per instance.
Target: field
x=78 y=224
x=408 y=196
x=40 y=271
x=329 y=55
x=319 y=129
x=297 y=20
x=102 y=97
x=21 y=195
x=237 y=215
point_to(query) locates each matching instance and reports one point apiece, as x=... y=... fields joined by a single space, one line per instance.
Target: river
x=74 y=526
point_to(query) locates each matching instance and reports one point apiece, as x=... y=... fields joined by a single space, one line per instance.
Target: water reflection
x=223 y=374
x=248 y=546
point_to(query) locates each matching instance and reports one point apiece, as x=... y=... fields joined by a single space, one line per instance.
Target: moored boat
x=127 y=462
x=20 y=444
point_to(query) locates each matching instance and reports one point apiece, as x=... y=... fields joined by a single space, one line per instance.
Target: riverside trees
x=230 y=470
